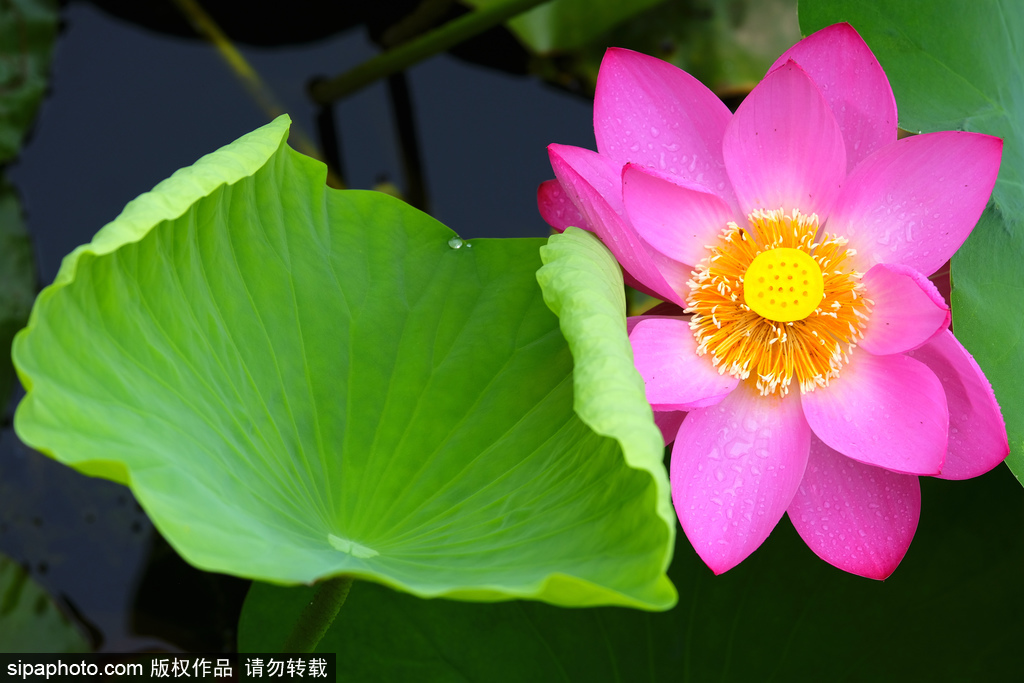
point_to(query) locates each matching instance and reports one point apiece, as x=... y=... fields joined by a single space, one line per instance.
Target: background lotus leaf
x=960 y=65
x=782 y=615
x=727 y=44
x=568 y=24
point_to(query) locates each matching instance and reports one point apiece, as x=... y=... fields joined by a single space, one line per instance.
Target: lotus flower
x=814 y=359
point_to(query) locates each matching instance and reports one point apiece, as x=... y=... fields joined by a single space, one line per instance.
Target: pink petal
x=783 y=149
x=634 y=320
x=675 y=217
x=676 y=378
x=854 y=516
x=888 y=411
x=652 y=113
x=977 y=433
x=669 y=422
x=594 y=185
x=557 y=209
x=735 y=468
x=908 y=310
x=853 y=83
x=915 y=201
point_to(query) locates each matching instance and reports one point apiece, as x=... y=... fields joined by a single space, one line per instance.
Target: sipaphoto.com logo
x=61 y=669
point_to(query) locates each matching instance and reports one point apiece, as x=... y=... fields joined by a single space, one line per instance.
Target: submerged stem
x=318 y=615
x=412 y=164
x=430 y=43
x=264 y=96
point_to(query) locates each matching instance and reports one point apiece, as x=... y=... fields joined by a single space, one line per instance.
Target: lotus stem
x=206 y=27
x=418 y=49
x=412 y=164
x=318 y=615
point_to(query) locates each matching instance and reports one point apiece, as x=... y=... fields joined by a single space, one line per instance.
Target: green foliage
x=727 y=44
x=782 y=615
x=568 y=24
x=28 y=29
x=988 y=290
x=582 y=284
x=17 y=278
x=299 y=382
x=29 y=619
x=960 y=65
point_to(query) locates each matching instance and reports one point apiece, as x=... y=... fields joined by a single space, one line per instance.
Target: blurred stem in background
x=412 y=159
x=205 y=26
x=407 y=42
x=418 y=49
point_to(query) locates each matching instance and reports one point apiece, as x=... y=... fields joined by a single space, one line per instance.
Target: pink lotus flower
x=815 y=365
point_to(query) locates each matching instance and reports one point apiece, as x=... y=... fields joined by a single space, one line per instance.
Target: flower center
x=783 y=285
x=771 y=304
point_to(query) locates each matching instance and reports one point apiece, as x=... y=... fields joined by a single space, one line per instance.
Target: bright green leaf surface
x=949 y=613
x=960 y=65
x=566 y=24
x=17 y=279
x=299 y=382
x=582 y=284
x=28 y=29
x=29 y=619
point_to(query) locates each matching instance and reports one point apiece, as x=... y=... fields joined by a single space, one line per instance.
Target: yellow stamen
x=748 y=336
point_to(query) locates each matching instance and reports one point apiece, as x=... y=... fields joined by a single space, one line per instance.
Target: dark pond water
x=127 y=108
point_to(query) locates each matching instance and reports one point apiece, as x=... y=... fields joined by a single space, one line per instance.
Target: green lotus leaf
x=582 y=284
x=960 y=65
x=30 y=621
x=782 y=615
x=299 y=382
